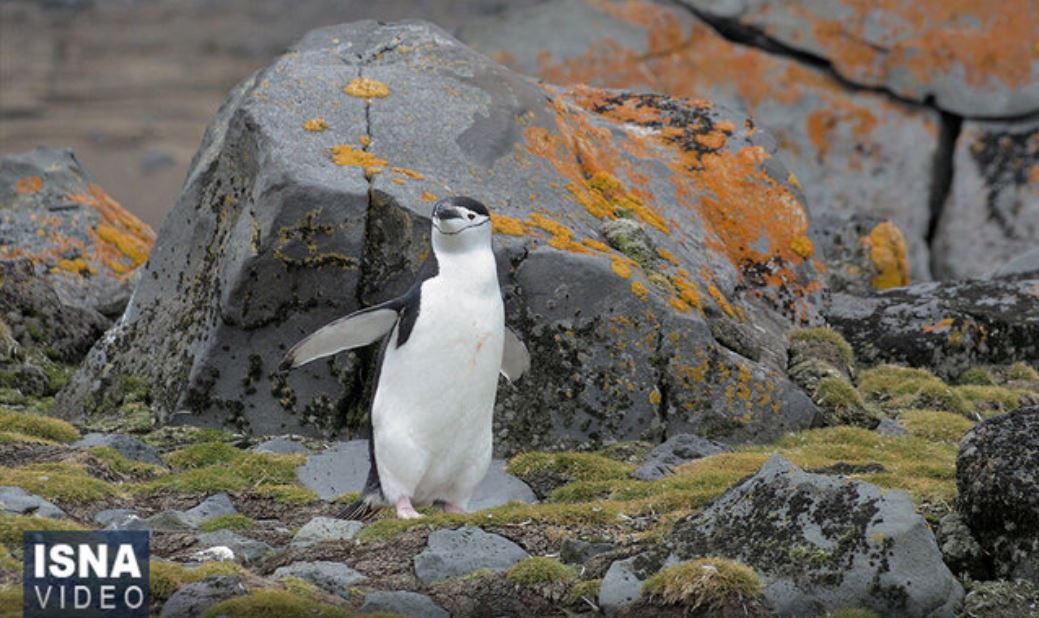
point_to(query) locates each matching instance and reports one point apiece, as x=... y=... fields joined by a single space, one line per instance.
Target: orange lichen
x=28 y=185
x=315 y=125
x=939 y=326
x=366 y=88
x=720 y=299
x=78 y=266
x=364 y=140
x=410 y=173
x=510 y=226
x=679 y=304
x=621 y=265
x=562 y=237
x=640 y=291
x=687 y=292
x=591 y=243
x=887 y=249
x=346 y=155
x=426 y=196
x=802 y=245
x=121 y=241
x=667 y=256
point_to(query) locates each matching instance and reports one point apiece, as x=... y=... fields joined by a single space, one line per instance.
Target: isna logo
x=85 y=574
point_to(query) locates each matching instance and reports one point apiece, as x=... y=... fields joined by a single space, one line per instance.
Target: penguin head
x=461 y=220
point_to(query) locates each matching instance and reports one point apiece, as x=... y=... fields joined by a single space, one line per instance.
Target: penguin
x=444 y=344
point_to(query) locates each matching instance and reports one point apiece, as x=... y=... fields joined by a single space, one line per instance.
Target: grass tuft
x=37 y=428
x=707 y=583
x=540 y=570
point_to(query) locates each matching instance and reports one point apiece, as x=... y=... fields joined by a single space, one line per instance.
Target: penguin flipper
x=353 y=331
x=515 y=360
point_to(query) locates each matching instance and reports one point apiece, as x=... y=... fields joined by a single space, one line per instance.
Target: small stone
x=676 y=450
x=576 y=551
x=114 y=519
x=452 y=553
x=243 y=549
x=192 y=600
x=620 y=586
x=339 y=469
x=889 y=427
x=16 y=500
x=332 y=577
x=127 y=446
x=325 y=529
x=498 y=488
x=411 y=604
x=217 y=505
x=213 y=506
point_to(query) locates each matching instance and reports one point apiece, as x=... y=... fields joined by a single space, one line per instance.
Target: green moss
x=896 y=388
x=44 y=428
x=842 y=404
x=540 y=570
x=176 y=436
x=11 y=601
x=935 y=426
x=202 y=455
x=824 y=343
x=10 y=565
x=632 y=452
x=570 y=466
x=12 y=527
x=300 y=587
x=165 y=578
x=11 y=396
x=115 y=462
x=628 y=237
x=976 y=375
x=808 y=555
x=707 y=583
x=991 y=400
x=272 y=603
x=64 y=482
x=852 y=612
x=1022 y=372
x=588 y=589
x=234 y=521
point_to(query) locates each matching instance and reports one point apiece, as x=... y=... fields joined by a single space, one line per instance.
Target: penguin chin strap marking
x=468 y=227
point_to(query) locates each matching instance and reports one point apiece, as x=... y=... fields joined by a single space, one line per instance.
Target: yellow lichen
x=366 y=88
x=687 y=291
x=793 y=181
x=426 y=196
x=315 y=125
x=591 y=243
x=28 y=185
x=410 y=173
x=720 y=299
x=621 y=265
x=510 y=226
x=938 y=327
x=562 y=237
x=888 y=252
x=639 y=290
x=654 y=397
x=364 y=140
x=131 y=246
x=802 y=245
x=346 y=155
x=78 y=265
x=667 y=256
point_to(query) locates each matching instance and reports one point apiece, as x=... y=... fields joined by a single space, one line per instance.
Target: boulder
x=192 y=600
x=676 y=450
x=410 y=604
x=281 y=229
x=997 y=483
x=80 y=239
x=918 y=50
x=15 y=500
x=945 y=327
x=325 y=529
x=127 y=446
x=332 y=577
x=214 y=506
x=452 y=553
x=852 y=152
x=821 y=543
x=991 y=214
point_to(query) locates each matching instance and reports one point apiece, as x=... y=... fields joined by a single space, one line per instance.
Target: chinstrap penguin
x=437 y=379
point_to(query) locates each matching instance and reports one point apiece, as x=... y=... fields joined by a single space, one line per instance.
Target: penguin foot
x=405 y=510
x=451 y=507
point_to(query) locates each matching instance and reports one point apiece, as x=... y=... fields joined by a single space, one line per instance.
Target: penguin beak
x=443 y=212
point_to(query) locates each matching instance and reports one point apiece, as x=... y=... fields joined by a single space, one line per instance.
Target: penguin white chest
x=434 y=404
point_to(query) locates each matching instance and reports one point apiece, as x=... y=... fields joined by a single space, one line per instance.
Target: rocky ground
x=728 y=414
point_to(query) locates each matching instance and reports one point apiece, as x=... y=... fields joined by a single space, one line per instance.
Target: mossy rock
x=541 y=570
x=62 y=482
x=176 y=436
x=895 y=388
x=706 y=582
x=233 y=521
x=547 y=471
x=166 y=577
x=840 y=404
x=275 y=603
x=19 y=426
x=936 y=426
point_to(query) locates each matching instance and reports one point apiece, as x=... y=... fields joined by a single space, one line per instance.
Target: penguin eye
x=471 y=216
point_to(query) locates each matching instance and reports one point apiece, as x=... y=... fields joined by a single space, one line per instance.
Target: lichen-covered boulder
x=946 y=327
x=53 y=213
x=310 y=197
x=992 y=212
x=822 y=543
x=969 y=58
x=997 y=483
x=851 y=151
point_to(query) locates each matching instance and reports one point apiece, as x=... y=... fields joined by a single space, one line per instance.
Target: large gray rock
x=325 y=529
x=214 y=506
x=992 y=212
x=452 y=553
x=945 y=327
x=821 y=543
x=918 y=50
x=332 y=577
x=90 y=245
x=15 y=500
x=997 y=483
x=851 y=151
x=410 y=604
x=127 y=446
x=192 y=600
x=344 y=467
x=272 y=238
x=675 y=451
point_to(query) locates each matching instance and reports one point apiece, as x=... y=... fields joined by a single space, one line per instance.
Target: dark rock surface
x=675 y=451
x=82 y=241
x=332 y=577
x=946 y=327
x=325 y=529
x=272 y=238
x=410 y=604
x=244 y=549
x=127 y=446
x=16 y=500
x=192 y=600
x=822 y=543
x=997 y=483
x=453 y=553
